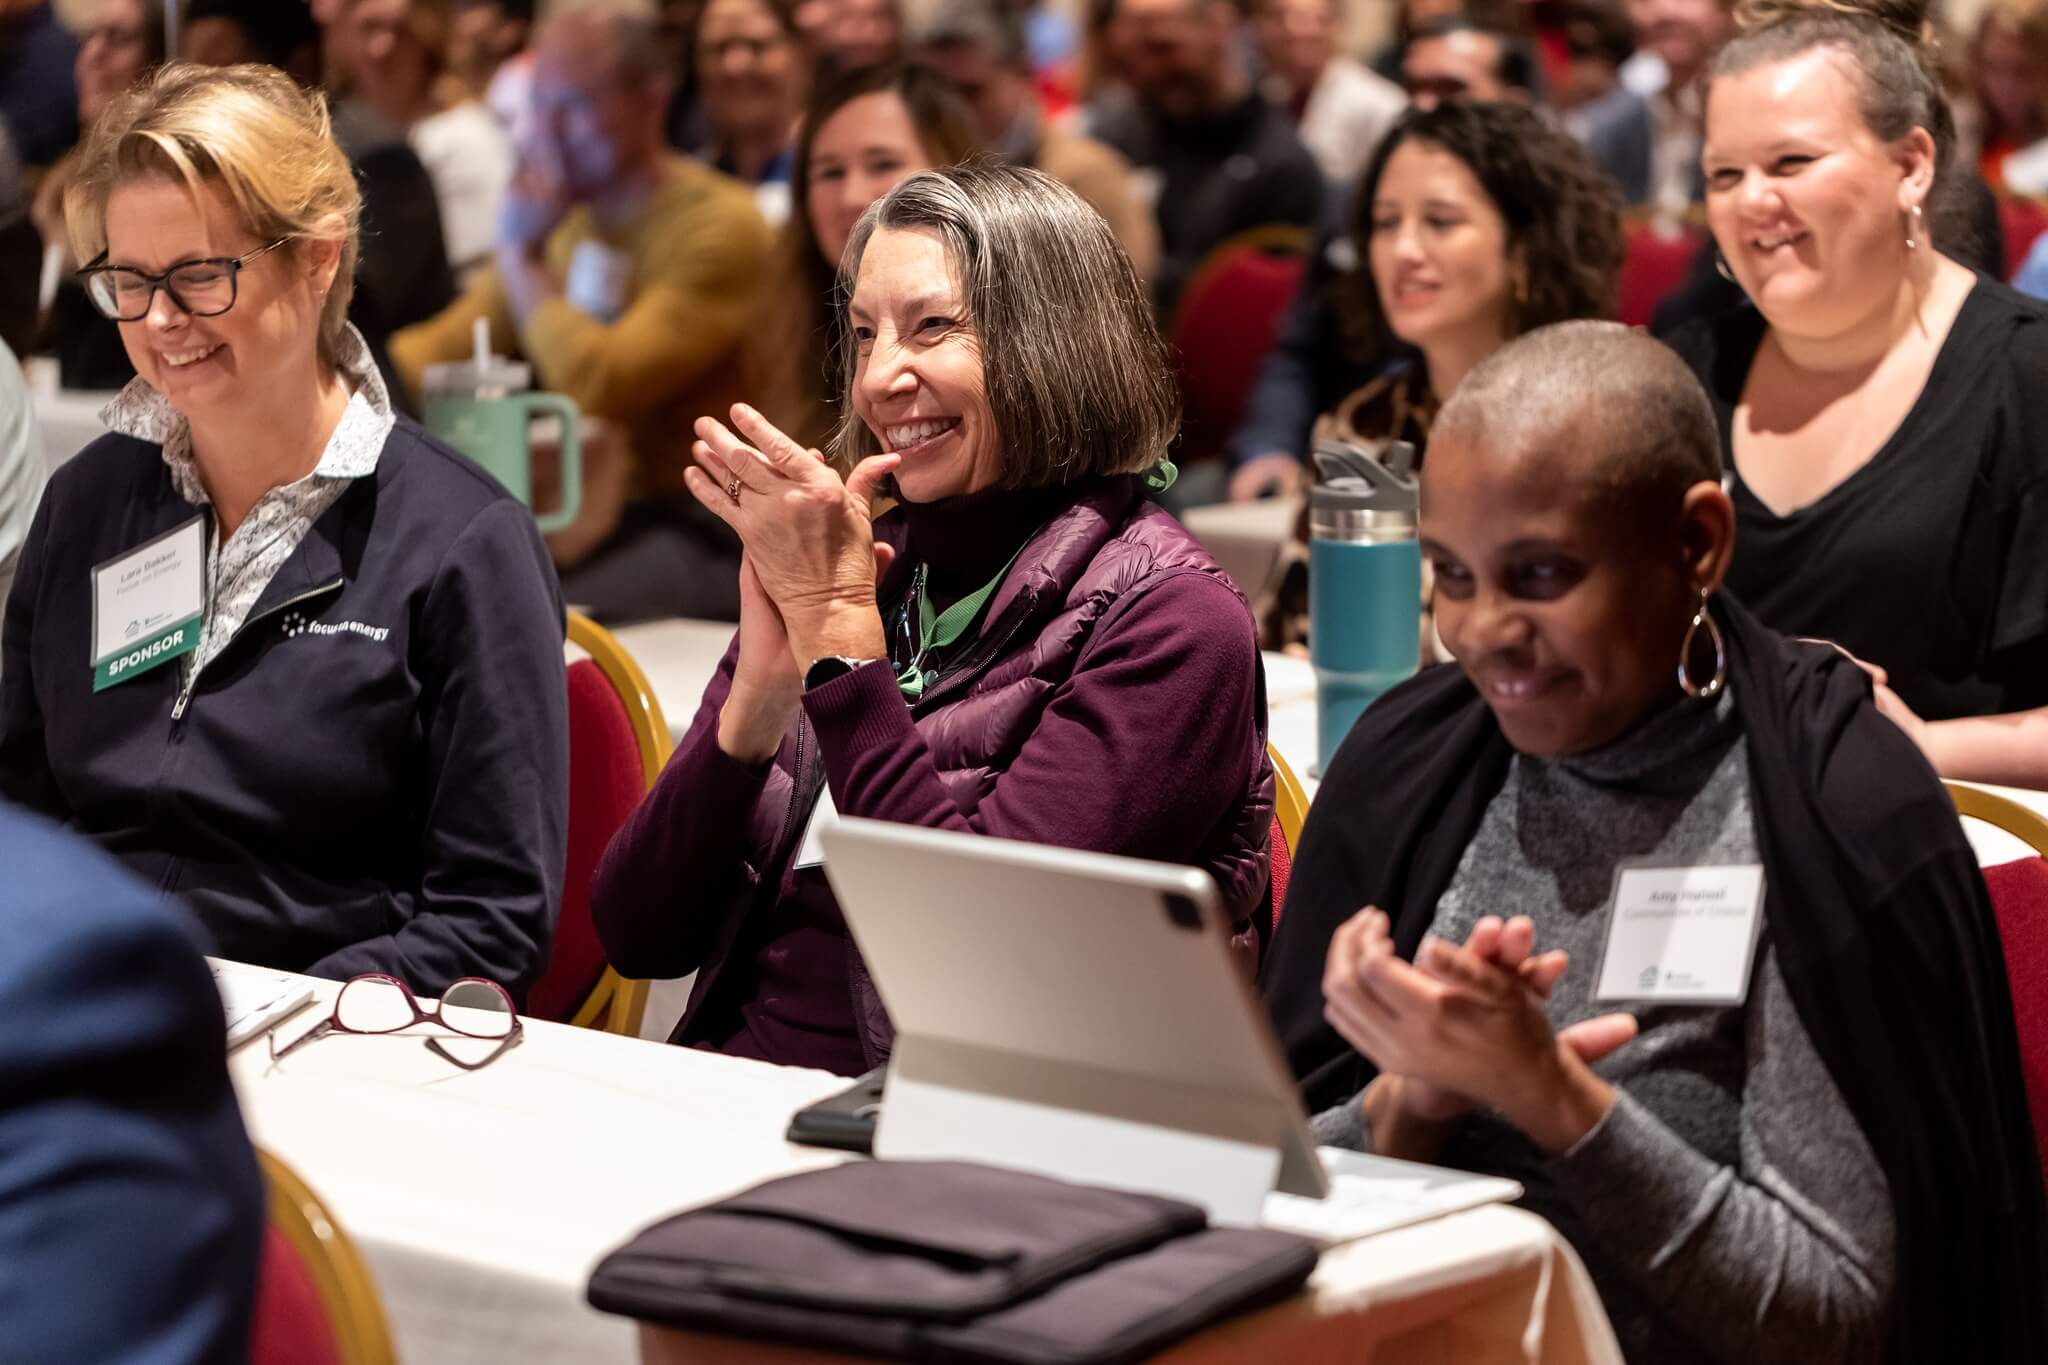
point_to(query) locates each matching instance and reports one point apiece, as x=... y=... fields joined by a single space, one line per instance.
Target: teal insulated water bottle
x=1364 y=582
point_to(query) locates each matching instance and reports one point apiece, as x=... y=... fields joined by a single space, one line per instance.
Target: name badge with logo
x=147 y=604
x=1682 y=935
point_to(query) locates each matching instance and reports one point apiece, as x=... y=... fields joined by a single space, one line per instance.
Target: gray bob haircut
x=1078 y=381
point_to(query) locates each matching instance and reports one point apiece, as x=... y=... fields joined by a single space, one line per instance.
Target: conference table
x=482 y=1200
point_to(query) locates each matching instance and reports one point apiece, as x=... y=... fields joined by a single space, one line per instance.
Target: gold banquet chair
x=618 y=742
x=316 y=1303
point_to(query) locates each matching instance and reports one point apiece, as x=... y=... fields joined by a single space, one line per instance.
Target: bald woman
x=1797 y=1133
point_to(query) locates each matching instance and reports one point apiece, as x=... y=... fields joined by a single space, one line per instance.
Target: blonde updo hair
x=252 y=131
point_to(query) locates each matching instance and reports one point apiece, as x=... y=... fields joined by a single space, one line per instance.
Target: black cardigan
x=1883 y=930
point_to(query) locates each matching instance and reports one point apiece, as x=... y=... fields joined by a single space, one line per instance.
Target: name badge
x=599 y=281
x=147 y=604
x=1682 y=935
x=824 y=815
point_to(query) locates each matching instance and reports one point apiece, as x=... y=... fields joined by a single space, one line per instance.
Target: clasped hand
x=807 y=579
x=1466 y=1026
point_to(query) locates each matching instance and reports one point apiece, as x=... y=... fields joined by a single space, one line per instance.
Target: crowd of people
x=864 y=311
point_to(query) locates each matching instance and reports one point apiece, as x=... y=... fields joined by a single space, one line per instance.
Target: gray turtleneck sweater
x=1728 y=1206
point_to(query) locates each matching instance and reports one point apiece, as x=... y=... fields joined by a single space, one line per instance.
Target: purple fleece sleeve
x=672 y=871
x=1143 y=750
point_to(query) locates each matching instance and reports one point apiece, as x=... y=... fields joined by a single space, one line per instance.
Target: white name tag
x=1682 y=935
x=599 y=281
x=824 y=815
x=147 y=604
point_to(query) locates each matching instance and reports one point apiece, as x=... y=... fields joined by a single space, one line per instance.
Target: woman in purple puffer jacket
x=1024 y=646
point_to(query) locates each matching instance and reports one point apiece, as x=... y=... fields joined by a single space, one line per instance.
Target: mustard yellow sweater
x=697 y=252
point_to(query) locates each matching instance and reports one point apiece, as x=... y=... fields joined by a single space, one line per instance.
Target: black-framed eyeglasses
x=205 y=288
x=376 y=1003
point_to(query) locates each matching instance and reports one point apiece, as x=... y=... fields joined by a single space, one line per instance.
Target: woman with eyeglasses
x=289 y=659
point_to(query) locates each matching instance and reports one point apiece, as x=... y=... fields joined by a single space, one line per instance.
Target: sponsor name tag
x=147 y=604
x=824 y=815
x=1682 y=935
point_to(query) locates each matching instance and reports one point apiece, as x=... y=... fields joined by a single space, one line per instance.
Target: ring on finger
x=732 y=488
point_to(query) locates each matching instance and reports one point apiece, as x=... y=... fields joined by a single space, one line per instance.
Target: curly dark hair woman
x=1562 y=244
x=1473 y=224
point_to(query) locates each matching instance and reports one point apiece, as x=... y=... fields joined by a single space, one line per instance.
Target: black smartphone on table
x=844 y=1122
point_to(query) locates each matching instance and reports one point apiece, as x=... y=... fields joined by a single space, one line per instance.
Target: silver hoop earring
x=1721 y=266
x=1712 y=687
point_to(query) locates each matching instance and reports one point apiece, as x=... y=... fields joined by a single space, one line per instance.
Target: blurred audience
x=482 y=36
x=131 y=1207
x=38 y=93
x=1596 y=40
x=1219 y=158
x=865 y=131
x=1880 y=405
x=627 y=277
x=754 y=72
x=979 y=46
x=859 y=33
x=21 y=250
x=1412 y=16
x=394 y=66
x=1682 y=37
x=23 y=467
x=125 y=40
x=281 y=33
x=1339 y=107
x=403 y=275
x=1456 y=59
x=326 y=760
x=2009 y=67
x=1473 y=223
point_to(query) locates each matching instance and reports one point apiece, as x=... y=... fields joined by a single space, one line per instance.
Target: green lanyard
x=939 y=630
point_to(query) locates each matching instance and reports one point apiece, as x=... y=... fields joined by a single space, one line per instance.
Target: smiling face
x=749 y=68
x=1683 y=33
x=918 y=382
x=1561 y=615
x=859 y=154
x=1439 y=251
x=265 y=343
x=1810 y=209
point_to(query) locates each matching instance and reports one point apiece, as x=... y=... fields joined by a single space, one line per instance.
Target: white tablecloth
x=482 y=1200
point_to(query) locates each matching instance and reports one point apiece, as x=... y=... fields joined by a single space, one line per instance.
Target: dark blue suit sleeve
x=131 y=1209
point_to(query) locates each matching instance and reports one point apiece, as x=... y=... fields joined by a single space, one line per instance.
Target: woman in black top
x=1881 y=406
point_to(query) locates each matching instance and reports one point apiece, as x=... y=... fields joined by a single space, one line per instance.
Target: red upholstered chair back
x=2019 y=892
x=1656 y=263
x=1281 y=857
x=1290 y=811
x=605 y=784
x=316 y=1303
x=1223 y=327
x=290 y=1326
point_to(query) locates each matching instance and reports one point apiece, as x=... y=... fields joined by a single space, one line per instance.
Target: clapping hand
x=809 y=534
x=1465 y=1025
